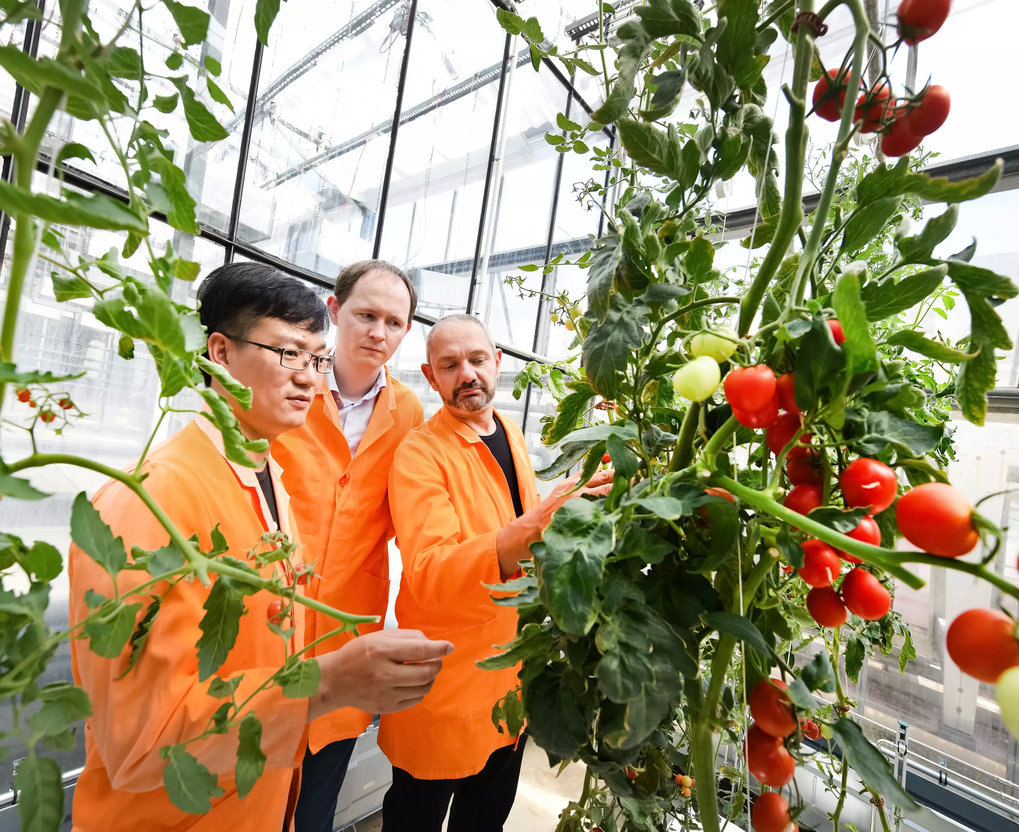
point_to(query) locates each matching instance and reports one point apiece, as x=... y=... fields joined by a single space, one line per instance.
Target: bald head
x=459 y=322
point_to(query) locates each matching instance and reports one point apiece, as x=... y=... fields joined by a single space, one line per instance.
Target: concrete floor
x=541 y=796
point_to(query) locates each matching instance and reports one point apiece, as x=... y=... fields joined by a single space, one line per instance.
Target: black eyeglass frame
x=319 y=360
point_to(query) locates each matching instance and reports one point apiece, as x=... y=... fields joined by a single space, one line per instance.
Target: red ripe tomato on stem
x=930 y=113
x=983 y=644
x=771 y=708
x=919 y=19
x=826 y=607
x=786 y=386
x=758 y=418
x=768 y=759
x=821 y=565
x=871 y=107
x=770 y=813
x=865 y=595
x=830 y=94
x=803 y=499
x=867 y=532
x=779 y=433
x=836 y=331
x=811 y=730
x=936 y=517
x=274 y=612
x=868 y=482
x=750 y=389
x=899 y=140
x=803 y=465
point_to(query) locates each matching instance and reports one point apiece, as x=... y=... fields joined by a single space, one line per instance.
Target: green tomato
x=697 y=379
x=1008 y=699
x=718 y=343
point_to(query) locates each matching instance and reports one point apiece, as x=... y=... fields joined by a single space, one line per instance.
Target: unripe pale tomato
x=930 y=113
x=821 y=565
x=698 y=379
x=771 y=708
x=1008 y=699
x=750 y=388
x=717 y=343
x=770 y=813
x=826 y=607
x=983 y=643
x=768 y=759
x=868 y=482
x=867 y=532
x=865 y=595
x=935 y=516
x=919 y=19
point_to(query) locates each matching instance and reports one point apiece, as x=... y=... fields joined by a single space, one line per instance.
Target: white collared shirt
x=354 y=416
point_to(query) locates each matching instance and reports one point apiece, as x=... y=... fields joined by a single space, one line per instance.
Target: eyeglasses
x=294 y=359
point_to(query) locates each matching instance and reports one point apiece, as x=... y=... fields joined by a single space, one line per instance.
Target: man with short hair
x=266 y=330
x=466 y=510
x=336 y=469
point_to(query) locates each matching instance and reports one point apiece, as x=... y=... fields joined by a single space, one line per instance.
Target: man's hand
x=378 y=672
x=513 y=543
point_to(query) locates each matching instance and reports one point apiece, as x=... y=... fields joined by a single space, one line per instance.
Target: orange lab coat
x=343 y=513
x=449 y=499
x=160 y=701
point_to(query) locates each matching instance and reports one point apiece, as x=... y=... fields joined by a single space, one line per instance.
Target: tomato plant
x=983 y=643
x=938 y=518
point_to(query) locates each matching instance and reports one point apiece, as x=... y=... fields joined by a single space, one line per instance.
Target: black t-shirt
x=498 y=444
x=265 y=483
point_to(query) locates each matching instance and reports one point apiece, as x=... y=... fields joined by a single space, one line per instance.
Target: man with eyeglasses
x=266 y=330
x=336 y=468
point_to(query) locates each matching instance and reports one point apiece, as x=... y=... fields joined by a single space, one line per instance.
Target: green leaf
x=869 y=221
x=580 y=442
x=38 y=74
x=636 y=43
x=73 y=150
x=570 y=411
x=856 y=653
x=736 y=46
x=532 y=642
x=241 y=393
x=912 y=340
x=223 y=610
x=861 y=353
x=920 y=248
x=213 y=66
x=871 y=765
x=141 y=633
x=125 y=62
x=222 y=688
x=897 y=180
x=18 y=488
x=166 y=103
x=610 y=343
x=95 y=538
x=217 y=94
x=837 y=519
x=569 y=563
x=601 y=277
x=300 y=680
x=250 y=759
x=657 y=150
x=740 y=627
x=883 y=429
x=235 y=444
x=63 y=704
x=889 y=297
x=182 y=205
x=820 y=365
x=174 y=61
x=159 y=561
x=189 y=784
x=110 y=630
x=509 y=711
x=552 y=701
x=818 y=674
x=44 y=561
x=193 y=23
x=512 y=23
x=96 y=210
x=670 y=17
x=265 y=14
x=203 y=124
x=668 y=88
x=38 y=782
x=69 y=287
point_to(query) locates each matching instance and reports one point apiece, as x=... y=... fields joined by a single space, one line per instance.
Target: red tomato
x=302 y=574
x=899 y=140
x=821 y=565
x=65 y=404
x=919 y=19
x=983 y=644
x=770 y=813
x=865 y=595
x=811 y=730
x=803 y=499
x=930 y=113
x=782 y=430
x=871 y=107
x=750 y=388
x=867 y=532
x=721 y=492
x=936 y=517
x=829 y=95
x=274 y=612
x=758 y=418
x=768 y=759
x=771 y=708
x=24 y=394
x=786 y=386
x=606 y=459
x=826 y=607
x=836 y=331
x=803 y=466
x=868 y=482
x=47 y=415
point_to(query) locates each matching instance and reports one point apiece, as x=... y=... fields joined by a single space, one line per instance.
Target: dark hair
x=349 y=275
x=234 y=298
